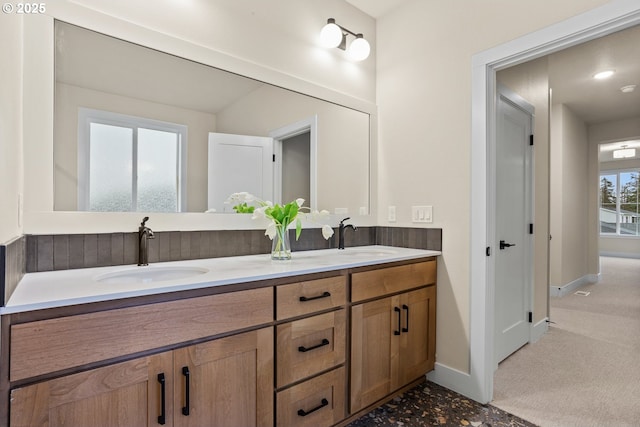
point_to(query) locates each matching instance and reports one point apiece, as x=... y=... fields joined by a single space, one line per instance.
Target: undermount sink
x=368 y=252
x=150 y=274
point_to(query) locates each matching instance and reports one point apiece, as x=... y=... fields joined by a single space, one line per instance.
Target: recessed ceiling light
x=603 y=74
x=628 y=88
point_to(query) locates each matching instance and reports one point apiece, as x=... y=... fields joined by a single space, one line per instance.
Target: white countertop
x=70 y=287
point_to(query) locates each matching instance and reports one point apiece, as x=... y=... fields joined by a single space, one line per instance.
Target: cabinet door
x=374 y=348
x=122 y=395
x=417 y=339
x=227 y=382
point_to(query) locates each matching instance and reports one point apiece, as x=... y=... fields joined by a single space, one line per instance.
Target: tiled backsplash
x=34 y=253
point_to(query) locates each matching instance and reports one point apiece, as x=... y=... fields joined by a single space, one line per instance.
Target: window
x=129 y=164
x=619 y=204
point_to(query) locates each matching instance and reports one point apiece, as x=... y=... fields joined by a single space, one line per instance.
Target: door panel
x=513 y=215
x=239 y=163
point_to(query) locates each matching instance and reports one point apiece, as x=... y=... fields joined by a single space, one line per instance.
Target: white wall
x=11 y=186
x=569 y=198
x=424 y=98
x=610 y=132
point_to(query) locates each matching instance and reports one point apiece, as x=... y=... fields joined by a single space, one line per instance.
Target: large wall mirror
x=136 y=129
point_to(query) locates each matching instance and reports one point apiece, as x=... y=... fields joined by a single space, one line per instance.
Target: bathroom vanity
x=317 y=341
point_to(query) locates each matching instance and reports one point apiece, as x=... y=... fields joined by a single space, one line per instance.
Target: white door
x=239 y=163
x=513 y=241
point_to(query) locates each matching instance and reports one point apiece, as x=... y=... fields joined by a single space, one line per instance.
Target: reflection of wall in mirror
x=343 y=140
x=69 y=98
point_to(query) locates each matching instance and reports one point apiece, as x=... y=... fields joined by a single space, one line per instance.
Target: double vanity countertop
x=45 y=290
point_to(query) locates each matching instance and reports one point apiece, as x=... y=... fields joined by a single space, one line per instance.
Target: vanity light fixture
x=603 y=74
x=334 y=35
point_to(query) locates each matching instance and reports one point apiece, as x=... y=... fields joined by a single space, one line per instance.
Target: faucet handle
x=144 y=220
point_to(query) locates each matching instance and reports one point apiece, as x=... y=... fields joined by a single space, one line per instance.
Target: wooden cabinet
x=310 y=355
x=125 y=394
x=225 y=382
x=392 y=337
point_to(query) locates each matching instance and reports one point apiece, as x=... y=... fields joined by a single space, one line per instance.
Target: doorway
x=595 y=23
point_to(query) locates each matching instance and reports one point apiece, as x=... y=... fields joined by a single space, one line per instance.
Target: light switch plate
x=422 y=214
x=391 y=214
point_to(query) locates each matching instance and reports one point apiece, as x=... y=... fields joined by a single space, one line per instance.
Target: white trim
x=539 y=329
x=450 y=378
x=562 y=290
x=603 y=20
x=310 y=124
x=634 y=255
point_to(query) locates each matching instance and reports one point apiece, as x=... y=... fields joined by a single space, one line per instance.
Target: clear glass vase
x=280 y=246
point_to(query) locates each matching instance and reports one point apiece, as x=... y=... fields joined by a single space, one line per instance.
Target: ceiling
x=571 y=70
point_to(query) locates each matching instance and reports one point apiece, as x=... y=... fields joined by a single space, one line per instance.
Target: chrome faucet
x=341 y=229
x=144 y=234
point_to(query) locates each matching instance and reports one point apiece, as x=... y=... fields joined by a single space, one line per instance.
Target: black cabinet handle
x=406 y=307
x=303 y=349
x=185 y=372
x=163 y=400
x=325 y=294
x=303 y=413
x=397 y=310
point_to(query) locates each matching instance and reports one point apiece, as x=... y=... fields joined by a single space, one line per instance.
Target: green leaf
x=298 y=228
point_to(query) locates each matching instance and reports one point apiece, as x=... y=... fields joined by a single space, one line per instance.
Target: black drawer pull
x=303 y=349
x=163 y=400
x=397 y=310
x=185 y=372
x=406 y=307
x=303 y=413
x=325 y=294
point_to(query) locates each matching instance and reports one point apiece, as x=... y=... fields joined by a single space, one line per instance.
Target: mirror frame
x=38 y=105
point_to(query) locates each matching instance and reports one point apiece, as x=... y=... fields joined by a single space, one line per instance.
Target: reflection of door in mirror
x=296 y=159
x=238 y=163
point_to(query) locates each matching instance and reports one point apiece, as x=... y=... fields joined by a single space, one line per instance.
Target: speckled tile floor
x=429 y=404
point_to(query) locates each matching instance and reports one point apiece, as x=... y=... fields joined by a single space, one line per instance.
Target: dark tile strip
x=12 y=266
x=59 y=252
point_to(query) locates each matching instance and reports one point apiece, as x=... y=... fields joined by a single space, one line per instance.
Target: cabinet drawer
x=297 y=299
x=55 y=344
x=308 y=346
x=318 y=402
x=377 y=283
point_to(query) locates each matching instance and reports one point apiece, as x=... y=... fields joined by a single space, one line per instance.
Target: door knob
x=505 y=245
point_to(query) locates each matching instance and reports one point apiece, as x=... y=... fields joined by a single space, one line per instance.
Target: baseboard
x=560 y=291
x=635 y=255
x=539 y=329
x=455 y=380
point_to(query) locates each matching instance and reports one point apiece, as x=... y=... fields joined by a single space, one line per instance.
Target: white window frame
x=87 y=116
x=617 y=173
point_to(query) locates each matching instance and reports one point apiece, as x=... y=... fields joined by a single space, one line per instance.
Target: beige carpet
x=586 y=370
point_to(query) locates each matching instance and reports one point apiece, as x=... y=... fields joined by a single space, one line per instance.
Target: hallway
x=586 y=370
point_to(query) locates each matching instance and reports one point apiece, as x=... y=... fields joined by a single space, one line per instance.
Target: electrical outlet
x=363 y=210
x=422 y=214
x=391 y=214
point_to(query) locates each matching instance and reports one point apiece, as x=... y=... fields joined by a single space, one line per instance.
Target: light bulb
x=603 y=74
x=359 y=49
x=331 y=34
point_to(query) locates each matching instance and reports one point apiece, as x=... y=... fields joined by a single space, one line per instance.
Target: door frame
x=606 y=19
x=310 y=124
x=492 y=161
